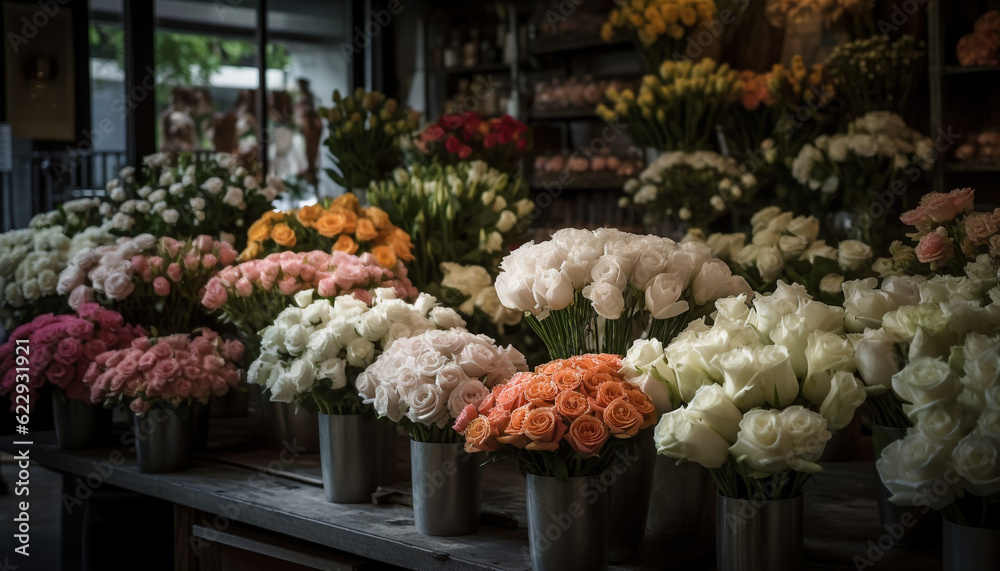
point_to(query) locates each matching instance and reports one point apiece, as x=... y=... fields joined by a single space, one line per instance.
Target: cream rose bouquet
x=949 y=457
x=181 y=197
x=754 y=396
x=316 y=349
x=586 y=291
x=424 y=382
x=913 y=319
x=695 y=188
x=786 y=247
x=570 y=418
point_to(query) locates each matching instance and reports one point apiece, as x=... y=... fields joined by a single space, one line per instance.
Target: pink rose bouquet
x=174 y=369
x=156 y=282
x=426 y=381
x=949 y=233
x=61 y=348
x=253 y=293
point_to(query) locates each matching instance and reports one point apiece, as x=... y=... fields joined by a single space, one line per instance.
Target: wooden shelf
x=969 y=69
x=485 y=68
x=554 y=46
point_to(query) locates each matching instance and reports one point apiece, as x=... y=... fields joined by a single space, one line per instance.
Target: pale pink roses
x=936 y=248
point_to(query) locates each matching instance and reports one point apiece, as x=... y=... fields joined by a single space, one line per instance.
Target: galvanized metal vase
x=567 y=524
x=764 y=535
x=925 y=533
x=447 y=488
x=386 y=438
x=287 y=422
x=163 y=438
x=79 y=424
x=347 y=458
x=970 y=548
x=682 y=505
x=631 y=483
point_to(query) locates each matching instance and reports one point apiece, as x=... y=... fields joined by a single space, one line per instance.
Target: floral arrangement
x=955 y=438
x=949 y=234
x=676 y=108
x=571 y=417
x=425 y=382
x=756 y=394
x=32 y=258
x=315 y=350
x=499 y=142
x=465 y=214
x=911 y=319
x=581 y=291
x=187 y=197
x=252 y=294
x=876 y=73
x=781 y=12
x=155 y=282
x=62 y=348
x=695 y=188
x=658 y=27
x=340 y=225
x=73 y=216
x=175 y=369
x=475 y=285
x=365 y=131
x=785 y=247
x=850 y=169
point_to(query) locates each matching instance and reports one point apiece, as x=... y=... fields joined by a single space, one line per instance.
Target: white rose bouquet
x=187 y=197
x=851 y=169
x=32 y=258
x=315 y=350
x=753 y=397
x=424 y=382
x=585 y=291
x=910 y=320
x=695 y=188
x=784 y=246
x=949 y=457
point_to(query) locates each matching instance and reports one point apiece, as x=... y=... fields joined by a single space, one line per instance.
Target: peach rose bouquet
x=339 y=225
x=572 y=417
x=949 y=233
x=425 y=382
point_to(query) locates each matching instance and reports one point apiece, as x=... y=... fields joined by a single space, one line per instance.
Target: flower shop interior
x=557 y=285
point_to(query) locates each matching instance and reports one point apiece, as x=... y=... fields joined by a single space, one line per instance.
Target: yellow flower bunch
x=678 y=108
x=339 y=225
x=658 y=26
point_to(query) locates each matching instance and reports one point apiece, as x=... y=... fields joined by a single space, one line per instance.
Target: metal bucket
x=79 y=424
x=567 y=524
x=347 y=458
x=283 y=423
x=970 y=548
x=163 y=438
x=628 y=500
x=764 y=535
x=447 y=488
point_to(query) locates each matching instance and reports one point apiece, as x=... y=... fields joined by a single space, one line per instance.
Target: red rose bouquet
x=500 y=142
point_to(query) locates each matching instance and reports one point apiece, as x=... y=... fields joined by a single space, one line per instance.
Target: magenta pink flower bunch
x=949 y=234
x=253 y=293
x=172 y=369
x=60 y=349
x=156 y=282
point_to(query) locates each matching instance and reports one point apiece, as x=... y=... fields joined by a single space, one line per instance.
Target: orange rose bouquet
x=572 y=417
x=339 y=225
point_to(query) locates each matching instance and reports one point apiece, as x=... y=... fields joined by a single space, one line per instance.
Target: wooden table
x=229 y=487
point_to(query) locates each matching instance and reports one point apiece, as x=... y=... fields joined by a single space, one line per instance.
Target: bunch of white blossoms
x=735 y=382
x=780 y=239
x=430 y=378
x=475 y=283
x=31 y=260
x=316 y=343
x=955 y=438
x=607 y=266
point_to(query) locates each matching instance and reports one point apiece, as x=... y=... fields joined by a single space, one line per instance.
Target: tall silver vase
x=163 y=438
x=763 y=535
x=682 y=505
x=567 y=524
x=347 y=458
x=925 y=531
x=385 y=451
x=447 y=488
x=79 y=424
x=288 y=422
x=970 y=548
x=631 y=483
